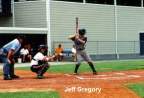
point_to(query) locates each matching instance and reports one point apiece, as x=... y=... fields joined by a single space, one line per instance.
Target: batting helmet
x=82 y=31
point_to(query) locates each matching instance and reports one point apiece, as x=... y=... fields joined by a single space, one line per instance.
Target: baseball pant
x=40 y=69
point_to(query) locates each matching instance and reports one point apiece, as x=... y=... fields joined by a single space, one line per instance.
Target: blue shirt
x=14 y=45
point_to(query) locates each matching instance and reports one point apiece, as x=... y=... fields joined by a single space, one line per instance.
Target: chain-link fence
x=108 y=49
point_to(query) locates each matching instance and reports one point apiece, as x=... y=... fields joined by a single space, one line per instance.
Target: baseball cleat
x=7 y=78
x=95 y=73
x=75 y=73
x=15 y=76
x=40 y=77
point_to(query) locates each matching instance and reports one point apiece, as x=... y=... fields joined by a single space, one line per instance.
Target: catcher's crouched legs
x=44 y=68
x=40 y=70
x=34 y=68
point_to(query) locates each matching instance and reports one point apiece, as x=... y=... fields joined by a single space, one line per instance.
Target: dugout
x=34 y=37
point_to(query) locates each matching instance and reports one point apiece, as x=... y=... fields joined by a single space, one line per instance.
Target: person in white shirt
x=39 y=63
x=74 y=53
x=24 y=53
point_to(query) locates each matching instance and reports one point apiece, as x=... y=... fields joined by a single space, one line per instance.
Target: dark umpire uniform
x=80 y=43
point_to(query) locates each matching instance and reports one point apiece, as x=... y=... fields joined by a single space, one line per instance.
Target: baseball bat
x=76 y=29
x=77 y=24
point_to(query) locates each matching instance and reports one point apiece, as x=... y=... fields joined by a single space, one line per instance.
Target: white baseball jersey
x=36 y=58
x=24 y=51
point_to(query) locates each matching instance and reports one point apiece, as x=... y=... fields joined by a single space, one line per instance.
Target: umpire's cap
x=82 y=31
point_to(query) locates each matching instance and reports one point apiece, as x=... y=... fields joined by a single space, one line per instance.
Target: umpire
x=7 y=53
x=80 y=43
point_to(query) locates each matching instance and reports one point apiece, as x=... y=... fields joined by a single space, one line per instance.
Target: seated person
x=30 y=50
x=24 y=54
x=59 y=52
x=39 y=63
x=74 y=53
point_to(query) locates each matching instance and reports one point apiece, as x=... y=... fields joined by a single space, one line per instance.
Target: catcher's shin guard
x=34 y=68
x=43 y=69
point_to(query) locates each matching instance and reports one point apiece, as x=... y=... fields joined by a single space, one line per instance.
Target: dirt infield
x=86 y=85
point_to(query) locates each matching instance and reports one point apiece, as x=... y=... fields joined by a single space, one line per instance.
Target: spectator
x=59 y=52
x=24 y=53
x=30 y=51
x=74 y=53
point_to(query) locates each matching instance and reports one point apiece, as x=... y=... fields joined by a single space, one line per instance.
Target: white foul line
x=120 y=73
x=103 y=77
x=108 y=78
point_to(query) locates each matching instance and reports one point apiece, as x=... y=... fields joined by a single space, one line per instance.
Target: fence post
x=134 y=46
x=116 y=50
x=97 y=43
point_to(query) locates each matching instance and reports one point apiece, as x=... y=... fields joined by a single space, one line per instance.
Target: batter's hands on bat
x=71 y=36
x=77 y=36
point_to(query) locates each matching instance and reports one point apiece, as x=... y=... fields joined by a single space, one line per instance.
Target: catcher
x=39 y=63
x=80 y=40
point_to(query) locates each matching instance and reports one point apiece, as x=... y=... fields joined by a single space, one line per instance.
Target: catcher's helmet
x=82 y=31
x=42 y=47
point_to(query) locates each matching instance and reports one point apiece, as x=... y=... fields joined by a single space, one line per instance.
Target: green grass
x=101 y=66
x=29 y=95
x=138 y=88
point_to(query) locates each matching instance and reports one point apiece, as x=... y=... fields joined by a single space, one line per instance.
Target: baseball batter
x=80 y=43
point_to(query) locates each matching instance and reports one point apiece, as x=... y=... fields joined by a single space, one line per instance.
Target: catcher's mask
x=82 y=31
x=42 y=47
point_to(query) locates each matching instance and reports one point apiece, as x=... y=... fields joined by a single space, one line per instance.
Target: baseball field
x=115 y=79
